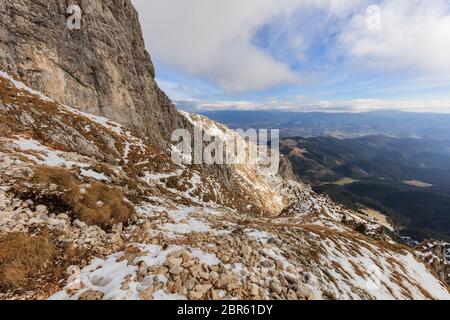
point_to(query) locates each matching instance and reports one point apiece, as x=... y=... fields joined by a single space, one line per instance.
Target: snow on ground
x=105 y=276
x=126 y=152
x=21 y=86
x=261 y=236
x=49 y=156
x=182 y=213
x=94 y=175
x=109 y=275
x=380 y=275
x=207 y=258
x=190 y=226
x=150 y=178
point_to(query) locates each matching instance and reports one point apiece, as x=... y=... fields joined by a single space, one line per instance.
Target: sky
x=301 y=55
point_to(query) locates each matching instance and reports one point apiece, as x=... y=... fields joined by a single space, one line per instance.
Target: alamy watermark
x=373 y=22
x=75 y=15
x=374 y=18
x=233 y=147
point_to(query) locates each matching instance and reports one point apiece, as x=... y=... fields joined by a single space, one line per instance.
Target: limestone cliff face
x=102 y=69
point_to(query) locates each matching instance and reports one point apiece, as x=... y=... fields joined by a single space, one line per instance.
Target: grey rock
x=102 y=69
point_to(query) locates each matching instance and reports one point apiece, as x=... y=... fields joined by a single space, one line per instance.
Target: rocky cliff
x=90 y=209
x=103 y=68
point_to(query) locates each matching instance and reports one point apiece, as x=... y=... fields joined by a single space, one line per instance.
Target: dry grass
x=21 y=102
x=36 y=263
x=22 y=259
x=105 y=169
x=103 y=206
x=61 y=177
x=100 y=205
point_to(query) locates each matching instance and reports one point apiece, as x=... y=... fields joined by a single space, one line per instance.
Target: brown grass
x=104 y=168
x=23 y=258
x=100 y=205
x=357 y=269
x=103 y=206
x=61 y=177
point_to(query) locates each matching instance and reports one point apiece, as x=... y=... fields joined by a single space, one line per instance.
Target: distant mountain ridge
x=340 y=125
x=408 y=179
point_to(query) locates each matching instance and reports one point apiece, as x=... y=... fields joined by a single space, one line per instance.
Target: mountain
x=93 y=207
x=406 y=179
x=340 y=125
x=103 y=68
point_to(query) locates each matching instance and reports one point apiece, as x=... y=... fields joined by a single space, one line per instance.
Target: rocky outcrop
x=103 y=68
x=437 y=255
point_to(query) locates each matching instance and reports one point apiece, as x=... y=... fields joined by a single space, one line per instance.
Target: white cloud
x=415 y=37
x=212 y=40
x=302 y=104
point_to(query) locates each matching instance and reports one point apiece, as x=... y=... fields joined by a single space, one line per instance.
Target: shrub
x=22 y=259
x=361 y=228
x=103 y=206
x=61 y=177
x=100 y=205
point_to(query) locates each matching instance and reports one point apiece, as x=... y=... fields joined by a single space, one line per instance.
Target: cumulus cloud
x=414 y=37
x=214 y=40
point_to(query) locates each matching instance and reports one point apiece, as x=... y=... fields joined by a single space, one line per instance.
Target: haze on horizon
x=301 y=55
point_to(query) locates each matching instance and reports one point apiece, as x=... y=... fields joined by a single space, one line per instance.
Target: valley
x=406 y=179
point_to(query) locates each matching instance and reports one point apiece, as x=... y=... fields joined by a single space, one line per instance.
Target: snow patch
x=94 y=175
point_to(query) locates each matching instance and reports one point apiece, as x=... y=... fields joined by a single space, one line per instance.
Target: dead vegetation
x=103 y=206
x=36 y=262
x=23 y=258
x=99 y=204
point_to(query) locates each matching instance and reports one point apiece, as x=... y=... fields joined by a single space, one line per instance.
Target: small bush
x=61 y=177
x=100 y=205
x=361 y=228
x=103 y=206
x=22 y=259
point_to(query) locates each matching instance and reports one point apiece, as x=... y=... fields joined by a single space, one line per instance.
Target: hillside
x=179 y=236
x=92 y=207
x=339 y=125
x=407 y=179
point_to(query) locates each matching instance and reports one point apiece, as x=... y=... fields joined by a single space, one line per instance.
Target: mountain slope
x=64 y=174
x=103 y=68
x=406 y=179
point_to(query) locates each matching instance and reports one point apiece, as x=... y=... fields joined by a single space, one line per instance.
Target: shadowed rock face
x=102 y=69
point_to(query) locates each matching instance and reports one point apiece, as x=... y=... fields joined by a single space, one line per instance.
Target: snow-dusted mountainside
x=88 y=210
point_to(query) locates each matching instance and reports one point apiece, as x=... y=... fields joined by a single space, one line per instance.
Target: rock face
x=102 y=68
x=437 y=255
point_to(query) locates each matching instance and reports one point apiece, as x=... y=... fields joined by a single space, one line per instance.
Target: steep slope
x=103 y=68
x=64 y=173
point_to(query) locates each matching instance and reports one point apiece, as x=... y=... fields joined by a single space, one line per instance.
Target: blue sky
x=305 y=55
